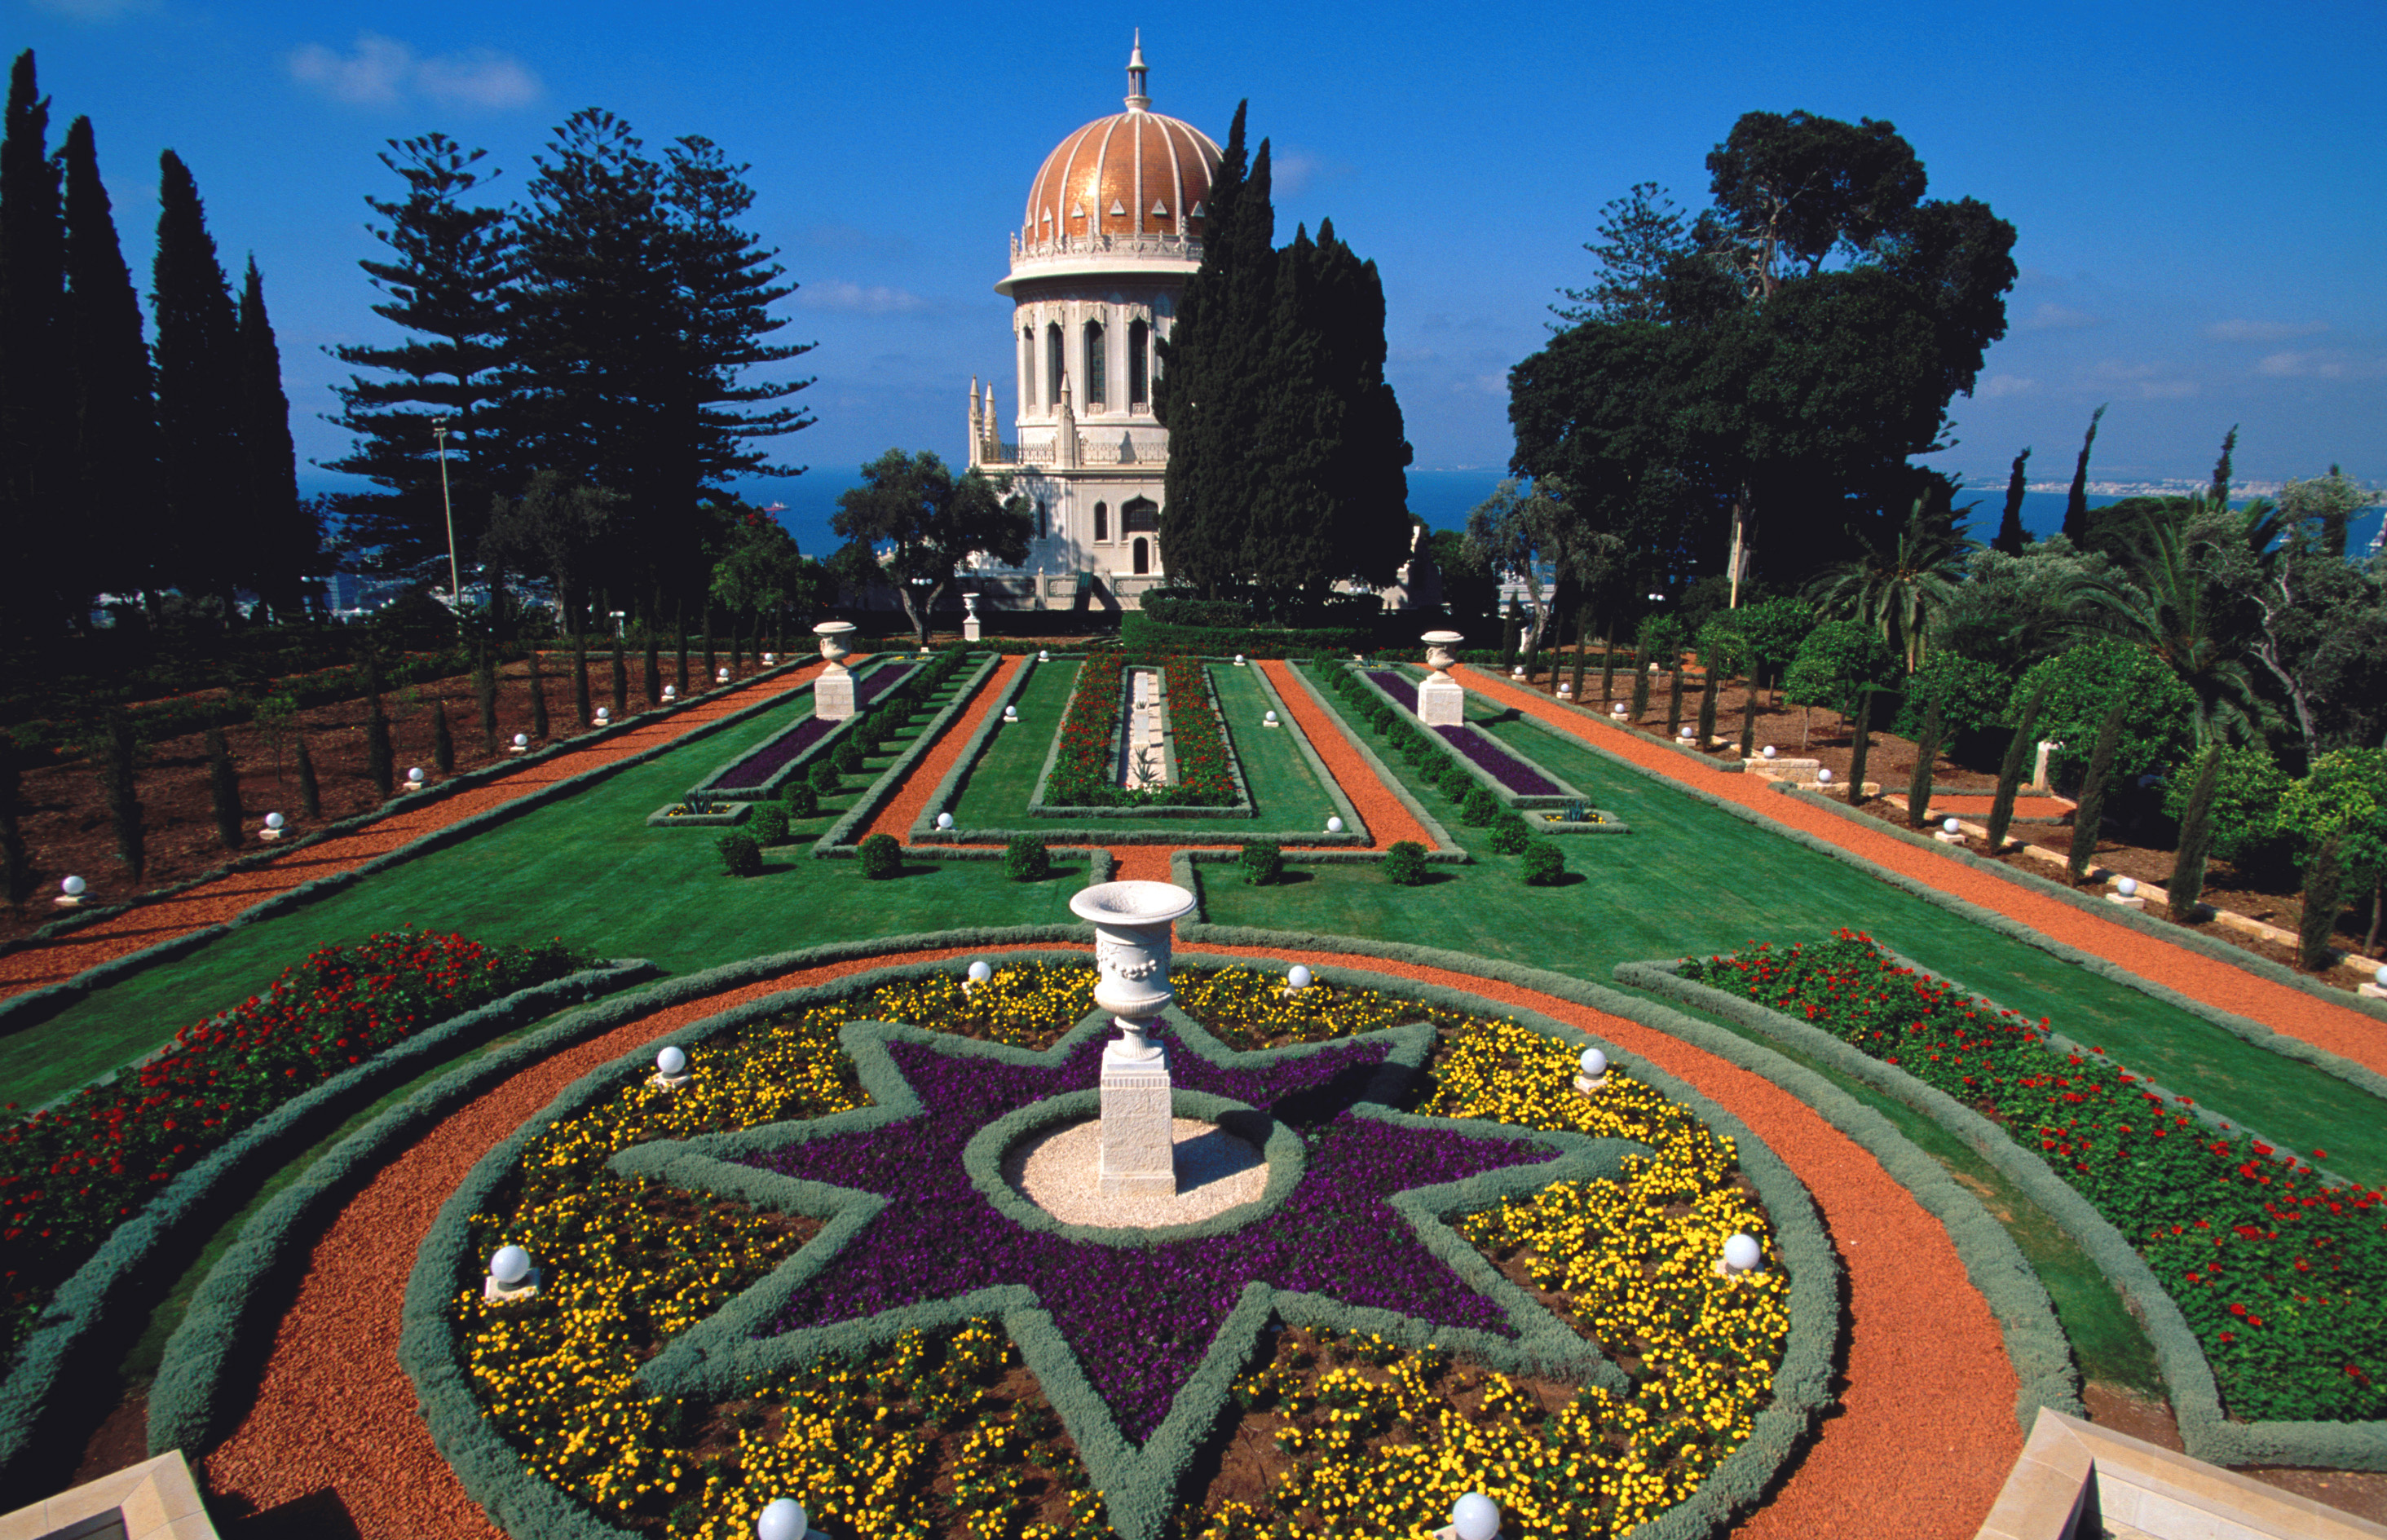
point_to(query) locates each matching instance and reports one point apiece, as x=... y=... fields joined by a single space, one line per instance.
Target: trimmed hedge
x=839 y=839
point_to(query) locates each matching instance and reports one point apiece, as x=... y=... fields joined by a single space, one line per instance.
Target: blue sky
x=2197 y=187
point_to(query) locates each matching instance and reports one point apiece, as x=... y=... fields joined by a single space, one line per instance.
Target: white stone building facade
x=1112 y=230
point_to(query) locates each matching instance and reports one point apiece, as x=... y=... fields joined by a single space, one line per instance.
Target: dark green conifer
x=16 y=865
x=1749 y=721
x=443 y=742
x=1926 y=758
x=485 y=694
x=621 y=681
x=2187 y=885
x=2324 y=896
x=580 y=702
x=223 y=790
x=654 y=675
x=381 y=758
x=2019 y=751
x=35 y=428
x=115 y=403
x=2089 y=815
x=118 y=762
x=282 y=535
x=538 y=698
x=2076 y=506
x=1674 y=702
x=310 y=796
x=203 y=472
x=1640 y=696
x=1861 y=746
x=2010 y=534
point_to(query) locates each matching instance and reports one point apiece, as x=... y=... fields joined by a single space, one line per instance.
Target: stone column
x=1441 y=702
x=833 y=691
x=1132 y=924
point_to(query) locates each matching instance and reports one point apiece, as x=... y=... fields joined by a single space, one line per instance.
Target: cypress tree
x=2010 y=773
x=1607 y=673
x=654 y=680
x=1749 y=721
x=118 y=760
x=711 y=668
x=115 y=403
x=538 y=698
x=1640 y=696
x=1862 y=747
x=282 y=538
x=737 y=647
x=680 y=631
x=1509 y=632
x=381 y=759
x=2187 y=883
x=1927 y=757
x=1582 y=644
x=621 y=681
x=2076 y=506
x=580 y=679
x=2011 y=536
x=310 y=796
x=484 y=692
x=36 y=430
x=16 y=865
x=202 y=474
x=2324 y=896
x=443 y=742
x=1674 y=702
x=223 y=790
x=2089 y=816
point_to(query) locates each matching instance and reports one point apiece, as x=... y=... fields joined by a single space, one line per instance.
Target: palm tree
x=1901 y=587
x=2167 y=605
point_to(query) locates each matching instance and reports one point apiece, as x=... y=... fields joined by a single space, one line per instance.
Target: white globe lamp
x=672 y=1061
x=1740 y=1253
x=1333 y=826
x=1593 y=1064
x=783 y=1518
x=1768 y=751
x=671 y=692
x=721 y=676
x=510 y=1267
x=981 y=971
x=521 y=740
x=1950 y=824
x=1297 y=978
x=2127 y=886
x=1823 y=777
x=274 y=821
x=73 y=887
x=944 y=820
x=1475 y=1517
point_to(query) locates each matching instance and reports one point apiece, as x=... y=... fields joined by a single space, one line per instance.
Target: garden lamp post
x=446 y=504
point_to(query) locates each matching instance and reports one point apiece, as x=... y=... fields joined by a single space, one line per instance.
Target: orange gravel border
x=928 y=772
x=2347 y=1033
x=1918 y=1445
x=55 y=962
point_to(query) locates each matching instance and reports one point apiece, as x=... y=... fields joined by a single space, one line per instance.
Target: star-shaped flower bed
x=1135 y=1335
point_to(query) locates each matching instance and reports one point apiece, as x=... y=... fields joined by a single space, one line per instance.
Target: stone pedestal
x=1947 y=839
x=970 y=630
x=833 y=691
x=1441 y=702
x=1131 y=933
x=2371 y=991
x=2132 y=901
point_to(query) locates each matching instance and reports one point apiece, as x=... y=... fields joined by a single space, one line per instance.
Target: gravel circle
x=34 y=967
x=1055 y=1169
x=2347 y=1033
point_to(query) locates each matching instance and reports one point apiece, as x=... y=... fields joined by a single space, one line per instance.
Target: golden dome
x=1134 y=173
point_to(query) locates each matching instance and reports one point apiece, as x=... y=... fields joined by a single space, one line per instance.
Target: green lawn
x=1286 y=794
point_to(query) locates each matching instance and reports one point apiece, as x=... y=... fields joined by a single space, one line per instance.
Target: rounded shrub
x=1478 y=806
x=1026 y=860
x=1262 y=862
x=1542 y=865
x=881 y=857
x=740 y=856
x=822 y=778
x=1405 y=864
x=800 y=798
x=847 y=756
x=768 y=825
x=1509 y=834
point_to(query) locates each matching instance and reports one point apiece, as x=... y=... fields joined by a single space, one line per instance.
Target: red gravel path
x=904 y=808
x=2347 y=1033
x=1976 y=804
x=214 y=903
x=1918 y=1445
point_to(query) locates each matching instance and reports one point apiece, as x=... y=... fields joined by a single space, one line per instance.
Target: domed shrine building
x=1112 y=229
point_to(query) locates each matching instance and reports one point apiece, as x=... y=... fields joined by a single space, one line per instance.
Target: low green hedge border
x=1240 y=808
x=844 y=836
x=662 y=817
x=1445 y=847
x=1519 y=801
x=2196 y=1398
x=949 y=789
x=1140 y=1488
x=36 y=1005
x=2035 y=1343
x=1723 y=768
x=133 y=1266
x=206 y=1377
x=769 y=789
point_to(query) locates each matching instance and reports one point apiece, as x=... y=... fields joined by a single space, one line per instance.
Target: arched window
x=1027 y=365
x=1140 y=516
x=1102 y=520
x=1139 y=365
x=1054 y=363
x=1097 y=375
x=1143 y=556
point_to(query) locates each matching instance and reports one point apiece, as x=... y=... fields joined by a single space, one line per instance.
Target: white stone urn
x=1437 y=649
x=1132 y=924
x=970 y=602
x=833 y=648
x=1441 y=702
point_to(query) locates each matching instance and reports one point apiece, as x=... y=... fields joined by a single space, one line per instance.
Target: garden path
x=42 y=964
x=1918 y=1445
x=904 y=808
x=2347 y=1033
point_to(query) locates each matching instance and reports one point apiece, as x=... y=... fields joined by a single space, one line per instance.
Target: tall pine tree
x=2011 y=536
x=2076 y=506
x=35 y=470
x=446 y=285
x=284 y=537
x=203 y=472
x=115 y=401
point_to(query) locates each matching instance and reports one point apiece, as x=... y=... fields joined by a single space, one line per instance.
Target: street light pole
x=455 y=577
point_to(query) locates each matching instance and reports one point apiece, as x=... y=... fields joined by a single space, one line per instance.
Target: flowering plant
x=1085 y=773
x=2264 y=1257
x=71 y=1173
x=1495 y=761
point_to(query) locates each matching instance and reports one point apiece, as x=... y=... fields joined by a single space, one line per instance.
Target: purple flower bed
x=762 y=764
x=1140 y=1320
x=1502 y=766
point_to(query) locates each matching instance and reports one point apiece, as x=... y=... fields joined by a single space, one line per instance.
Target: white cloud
x=1999 y=385
x=1291 y=173
x=876 y=300
x=2264 y=331
x=382 y=71
x=2052 y=316
x=2322 y=363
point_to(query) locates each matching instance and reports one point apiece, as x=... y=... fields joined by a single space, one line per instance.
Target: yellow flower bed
x=1378 y=1443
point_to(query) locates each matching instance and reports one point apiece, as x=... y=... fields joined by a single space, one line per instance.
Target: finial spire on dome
x=1138 y=97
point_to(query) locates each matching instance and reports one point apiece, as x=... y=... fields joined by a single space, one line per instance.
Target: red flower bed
x=69 y=1175
x=1085 y=773
x=2275 y=1269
